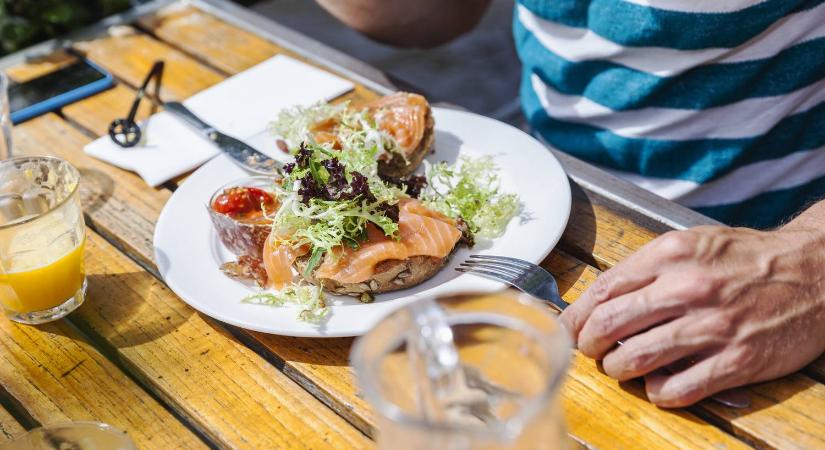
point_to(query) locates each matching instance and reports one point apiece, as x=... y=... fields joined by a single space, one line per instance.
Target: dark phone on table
x=57 y=89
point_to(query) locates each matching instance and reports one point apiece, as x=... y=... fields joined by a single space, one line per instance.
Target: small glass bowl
x=240 y=237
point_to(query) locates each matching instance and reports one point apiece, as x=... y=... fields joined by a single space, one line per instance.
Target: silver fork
x=539 y=283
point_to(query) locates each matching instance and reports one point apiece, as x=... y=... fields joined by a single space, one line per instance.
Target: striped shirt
x=717 y=104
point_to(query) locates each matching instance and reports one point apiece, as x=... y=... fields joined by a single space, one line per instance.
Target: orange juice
x=44 y=287
x=42 y=237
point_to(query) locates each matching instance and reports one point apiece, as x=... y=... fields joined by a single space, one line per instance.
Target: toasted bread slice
x=390 y=275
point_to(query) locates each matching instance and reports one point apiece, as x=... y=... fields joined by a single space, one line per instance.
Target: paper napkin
x=240 y=106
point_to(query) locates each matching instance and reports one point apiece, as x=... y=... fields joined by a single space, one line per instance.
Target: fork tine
x=509 y=270
x=525 y=267
x=515 y=261
x=487 y=274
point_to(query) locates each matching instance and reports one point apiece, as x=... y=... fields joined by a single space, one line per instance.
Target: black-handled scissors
x=125 y=132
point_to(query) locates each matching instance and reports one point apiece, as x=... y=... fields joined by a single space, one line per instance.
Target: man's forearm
x=405 y=23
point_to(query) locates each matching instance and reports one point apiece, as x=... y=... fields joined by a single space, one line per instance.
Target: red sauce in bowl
x=245 y=204
x=239 y=215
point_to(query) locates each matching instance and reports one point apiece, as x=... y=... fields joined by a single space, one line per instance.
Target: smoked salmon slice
x=426 y=232
x=356 y=265
x=423 y=232
x=404 y=116
x=278 y=259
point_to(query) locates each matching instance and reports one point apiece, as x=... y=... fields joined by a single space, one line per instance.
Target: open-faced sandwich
x=345 y=228
x=338 y=222
x=400 y=126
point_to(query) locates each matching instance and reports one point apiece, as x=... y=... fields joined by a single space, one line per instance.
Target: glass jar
x=471 y=371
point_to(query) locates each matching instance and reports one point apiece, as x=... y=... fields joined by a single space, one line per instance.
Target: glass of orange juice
x=41 y=239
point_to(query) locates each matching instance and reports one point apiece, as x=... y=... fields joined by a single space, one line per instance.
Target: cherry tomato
x=242 y=200
x=261 y=197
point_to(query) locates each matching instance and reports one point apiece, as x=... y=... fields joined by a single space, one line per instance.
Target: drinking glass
x=484 y=374
x=41 y=239
x=74 y=436
x=5 y=118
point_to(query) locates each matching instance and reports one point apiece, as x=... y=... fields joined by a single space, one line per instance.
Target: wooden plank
x=9 y=426
x=40 y=65
x=226 y=47
x=209 y=39
x=598 y=235
x=227 y=391
x=129 y=54
x=787 y=414
x=95 y=113
x=629 y=421
x=57 y=376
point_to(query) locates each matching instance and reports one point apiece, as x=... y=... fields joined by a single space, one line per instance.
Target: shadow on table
x=762 y=395
x=279 y=349
x=129 y=309
x=579 y=238
x=97 y=189
x=577 y=241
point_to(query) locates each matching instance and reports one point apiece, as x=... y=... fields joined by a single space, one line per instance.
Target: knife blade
x=240 y=152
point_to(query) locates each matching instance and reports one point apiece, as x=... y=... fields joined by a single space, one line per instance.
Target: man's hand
x=744 y=305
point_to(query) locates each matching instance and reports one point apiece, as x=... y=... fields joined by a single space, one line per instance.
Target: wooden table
x=139 y=358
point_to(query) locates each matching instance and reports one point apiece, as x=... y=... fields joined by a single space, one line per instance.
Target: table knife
x=241 y=153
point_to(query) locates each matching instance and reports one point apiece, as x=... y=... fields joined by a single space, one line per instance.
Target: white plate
x=188 y=251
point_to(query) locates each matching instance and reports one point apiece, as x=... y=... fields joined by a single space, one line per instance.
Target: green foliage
x=26 y=22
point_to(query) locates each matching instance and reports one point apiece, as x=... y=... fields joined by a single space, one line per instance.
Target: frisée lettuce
x=294 y=124
x=327 y=203
x=310 y=299
x=470 y=190
x=348 y=128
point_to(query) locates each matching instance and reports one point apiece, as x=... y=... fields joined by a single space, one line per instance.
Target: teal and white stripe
x=719 y=104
